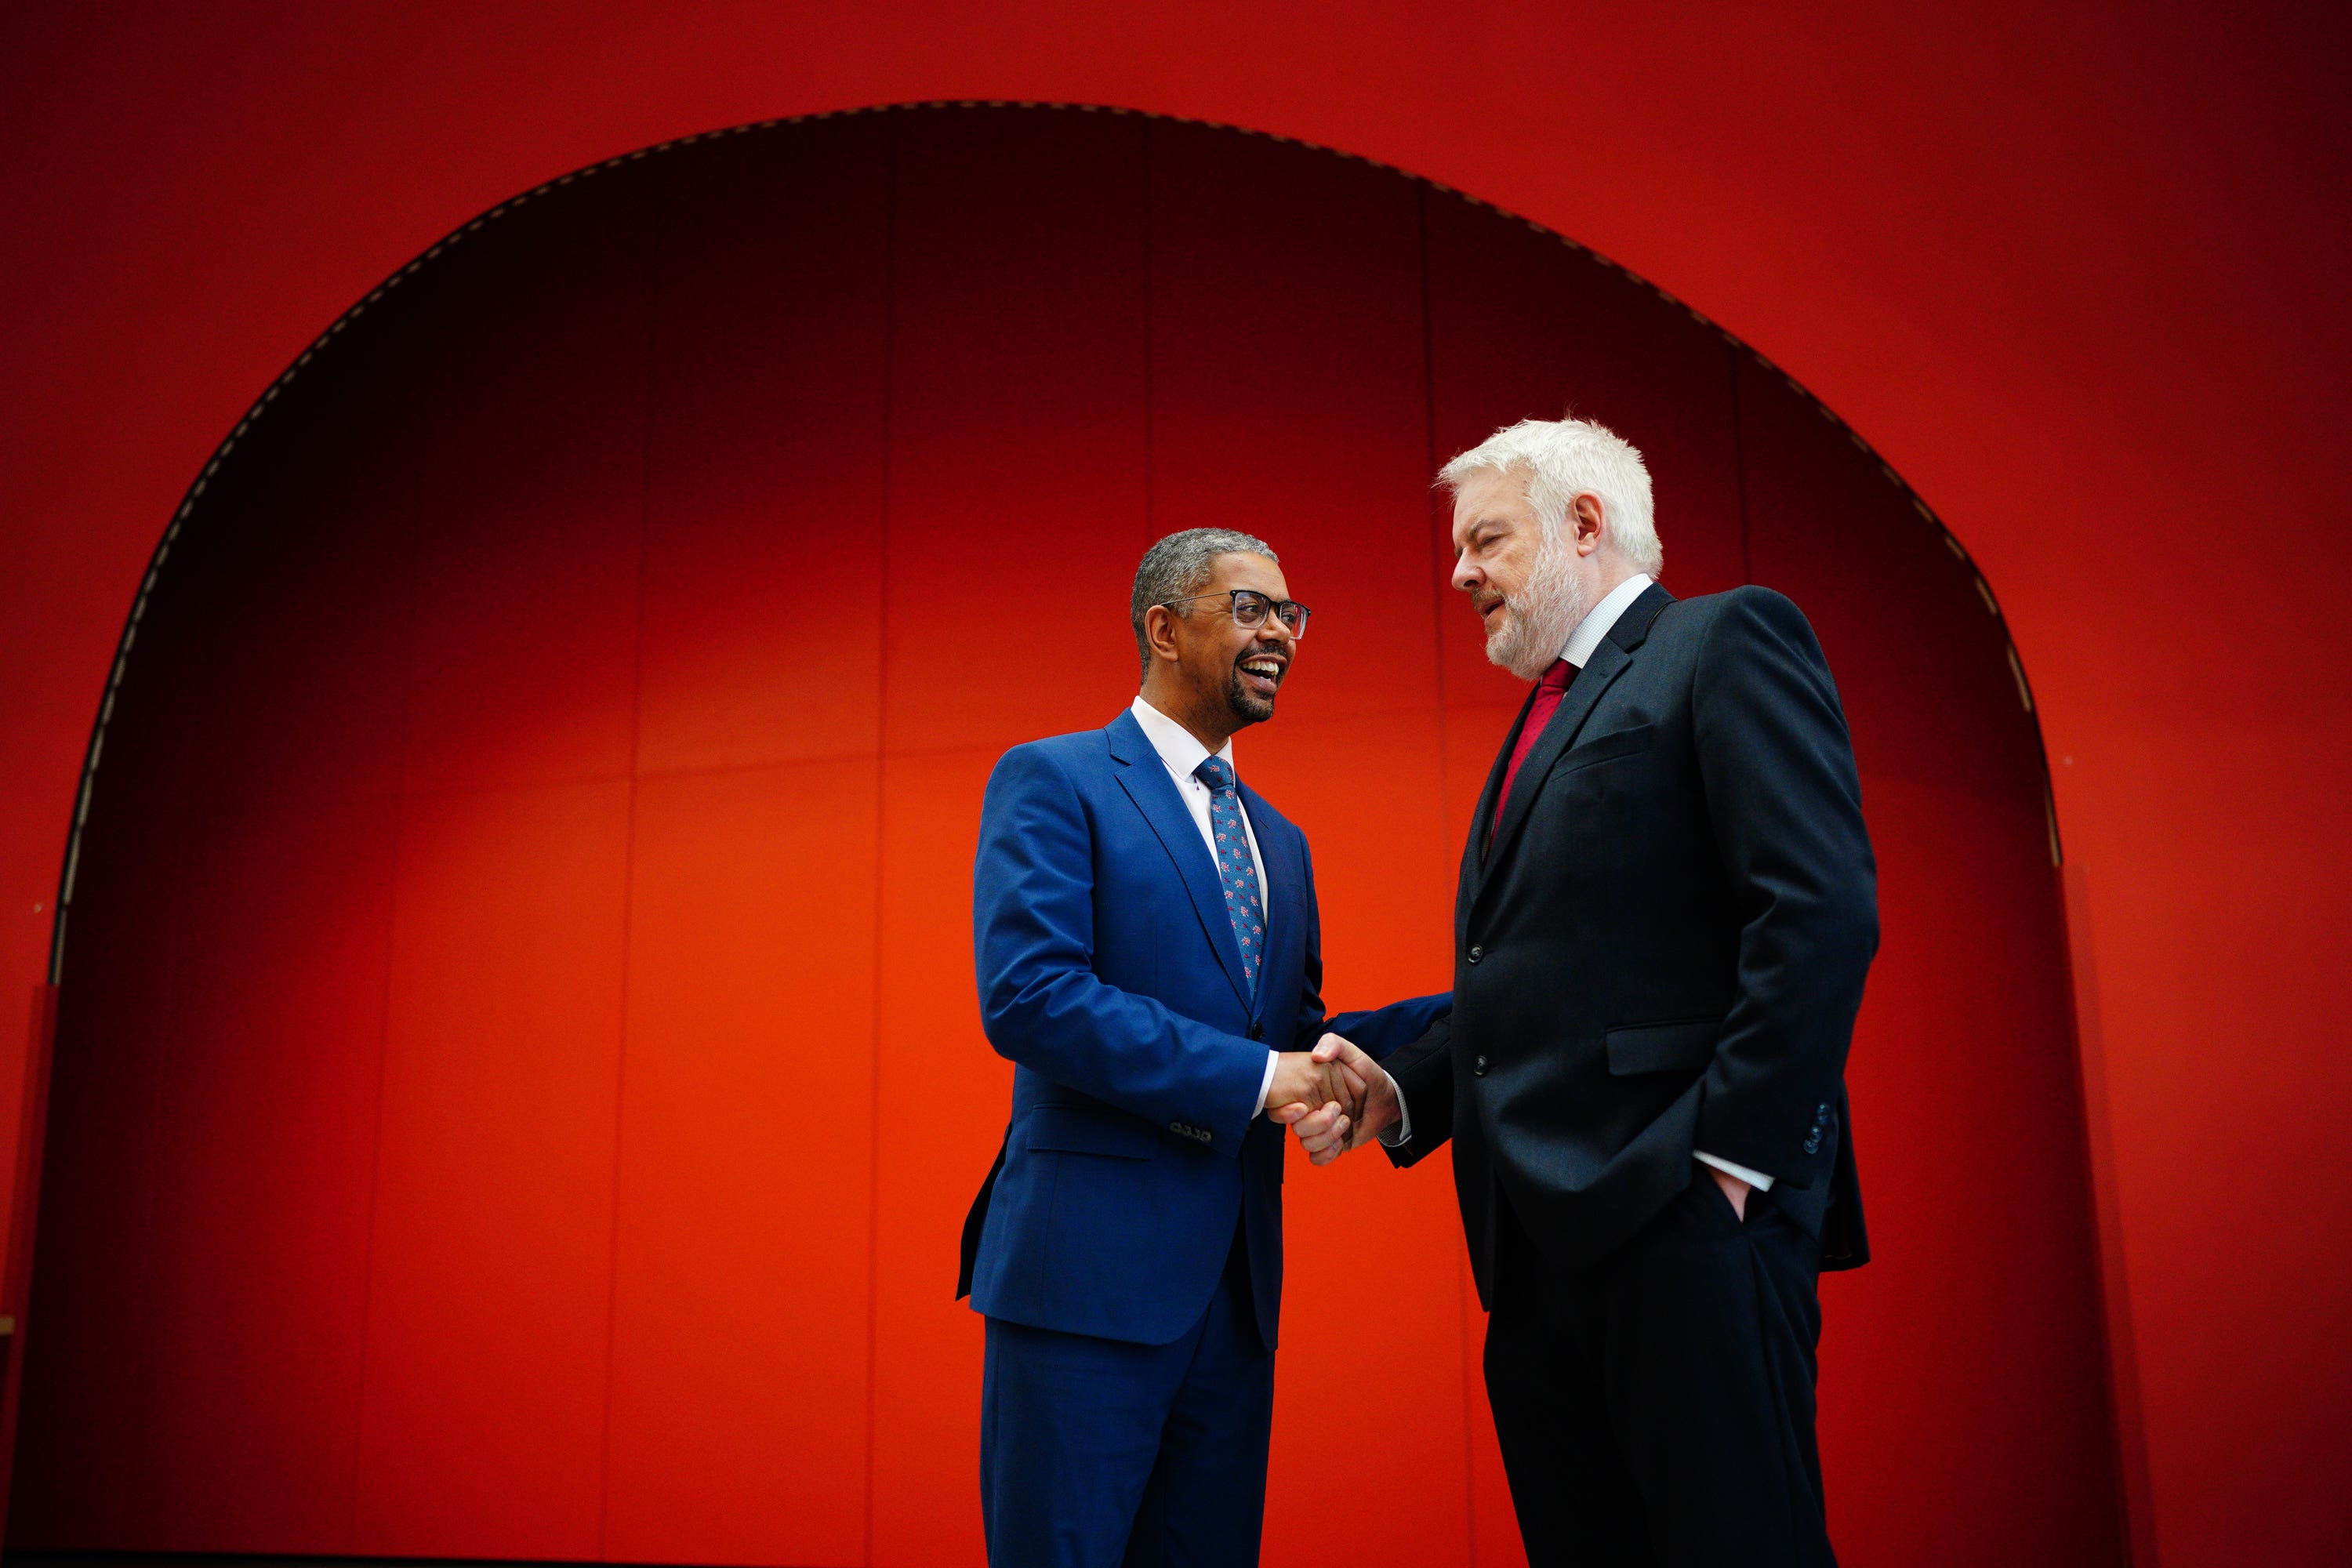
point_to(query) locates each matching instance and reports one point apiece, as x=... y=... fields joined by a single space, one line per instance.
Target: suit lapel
x=1473 y=853
x=1154 y=795
x=1608 y=662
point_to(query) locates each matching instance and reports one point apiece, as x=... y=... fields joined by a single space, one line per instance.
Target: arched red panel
x=517 y=1079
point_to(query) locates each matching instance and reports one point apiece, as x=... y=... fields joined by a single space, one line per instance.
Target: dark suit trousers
x=1098 y=1452
x=1657 y=1409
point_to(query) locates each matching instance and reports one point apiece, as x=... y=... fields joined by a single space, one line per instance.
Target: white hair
x=1564 y=458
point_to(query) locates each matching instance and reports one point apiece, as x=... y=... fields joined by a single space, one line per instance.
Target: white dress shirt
x=1182 y=752
x=1587 y=637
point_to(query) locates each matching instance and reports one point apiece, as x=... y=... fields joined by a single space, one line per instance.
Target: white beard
x=1538 y=617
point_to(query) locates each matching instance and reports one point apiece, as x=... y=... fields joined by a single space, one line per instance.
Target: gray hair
x=1564 y=458
x=1177 y=566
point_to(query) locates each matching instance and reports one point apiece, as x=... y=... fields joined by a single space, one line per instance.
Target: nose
x=1466 y=576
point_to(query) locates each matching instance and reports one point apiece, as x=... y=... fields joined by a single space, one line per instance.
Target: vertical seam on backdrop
x=657 y=202
x=1739 y=470
x=1429 y=468
x=384 y=1023
x=174 y=974
x=1151 y=389
x=881 y=737
x=1444 y=786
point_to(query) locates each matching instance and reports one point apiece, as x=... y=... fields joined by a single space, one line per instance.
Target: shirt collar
x=1601 y=617
x=1176 y=744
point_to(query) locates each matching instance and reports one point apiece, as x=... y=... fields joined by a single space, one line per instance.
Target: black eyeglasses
x=1250 y=609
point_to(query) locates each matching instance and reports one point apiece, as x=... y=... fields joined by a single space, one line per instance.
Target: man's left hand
x=1733 y=1188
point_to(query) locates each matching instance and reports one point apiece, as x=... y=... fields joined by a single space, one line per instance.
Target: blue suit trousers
x=1098 y=1452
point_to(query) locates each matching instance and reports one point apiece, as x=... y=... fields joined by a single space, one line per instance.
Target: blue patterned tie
x=1235 y=868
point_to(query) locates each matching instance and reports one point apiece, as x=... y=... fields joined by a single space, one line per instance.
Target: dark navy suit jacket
x=1663 y=945
x=1110 y=975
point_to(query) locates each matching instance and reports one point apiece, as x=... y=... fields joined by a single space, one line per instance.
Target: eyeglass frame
x=1273 y=607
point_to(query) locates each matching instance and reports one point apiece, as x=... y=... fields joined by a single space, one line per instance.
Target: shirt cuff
x=1264 y=1085
x=1401 y=1134
x=1757 y=1179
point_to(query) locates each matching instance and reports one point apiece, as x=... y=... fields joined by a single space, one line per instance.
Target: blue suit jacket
x=1109 y=973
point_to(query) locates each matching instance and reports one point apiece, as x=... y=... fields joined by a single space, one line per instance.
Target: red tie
x=1549 y=691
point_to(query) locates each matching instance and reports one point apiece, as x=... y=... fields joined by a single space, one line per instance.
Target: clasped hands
x=1334 y=1097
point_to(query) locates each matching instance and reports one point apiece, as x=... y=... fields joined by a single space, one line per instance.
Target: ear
x=1584 y=523
x=1160 y=631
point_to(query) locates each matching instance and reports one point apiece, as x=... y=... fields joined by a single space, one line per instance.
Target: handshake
x=1334 y=1097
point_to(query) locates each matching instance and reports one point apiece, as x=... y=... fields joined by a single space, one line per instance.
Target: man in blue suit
x=1149 y=956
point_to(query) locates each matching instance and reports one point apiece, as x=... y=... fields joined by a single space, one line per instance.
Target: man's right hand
x=1327 y=1131
x=1302 y=1084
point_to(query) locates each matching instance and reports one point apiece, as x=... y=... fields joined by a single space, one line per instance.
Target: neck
x=1206 y=721
x=1609 y=575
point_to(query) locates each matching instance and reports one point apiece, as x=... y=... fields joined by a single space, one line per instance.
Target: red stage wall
x=2077 y=275
x=517 y=1082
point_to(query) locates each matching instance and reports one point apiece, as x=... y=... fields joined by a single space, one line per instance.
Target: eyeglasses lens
x=1250 y=610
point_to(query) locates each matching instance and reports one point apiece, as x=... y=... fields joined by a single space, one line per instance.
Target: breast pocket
x=1623 y=742
x=1060 y=1130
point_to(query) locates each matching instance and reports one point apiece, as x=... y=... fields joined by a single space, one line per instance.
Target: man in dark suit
x=1666 y=908
x=1149 y=958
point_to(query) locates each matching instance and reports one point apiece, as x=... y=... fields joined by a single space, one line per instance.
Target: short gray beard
x=1538 y=617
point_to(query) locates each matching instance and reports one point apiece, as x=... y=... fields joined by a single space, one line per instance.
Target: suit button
x=1479 y=1067
x=1258 y=1032
x=1822 y=1113
x=1813 y=1145
x=1477 y=954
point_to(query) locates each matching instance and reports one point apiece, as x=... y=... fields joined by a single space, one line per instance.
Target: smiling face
x=1209 y=673
x=1528 y=592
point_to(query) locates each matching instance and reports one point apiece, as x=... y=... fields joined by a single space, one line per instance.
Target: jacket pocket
x=1681 y=1044
x=1069 y=1131
x=1600 y=748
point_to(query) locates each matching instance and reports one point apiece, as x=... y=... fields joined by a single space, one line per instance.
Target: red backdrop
x=517 y=1084
x=2075 y=274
